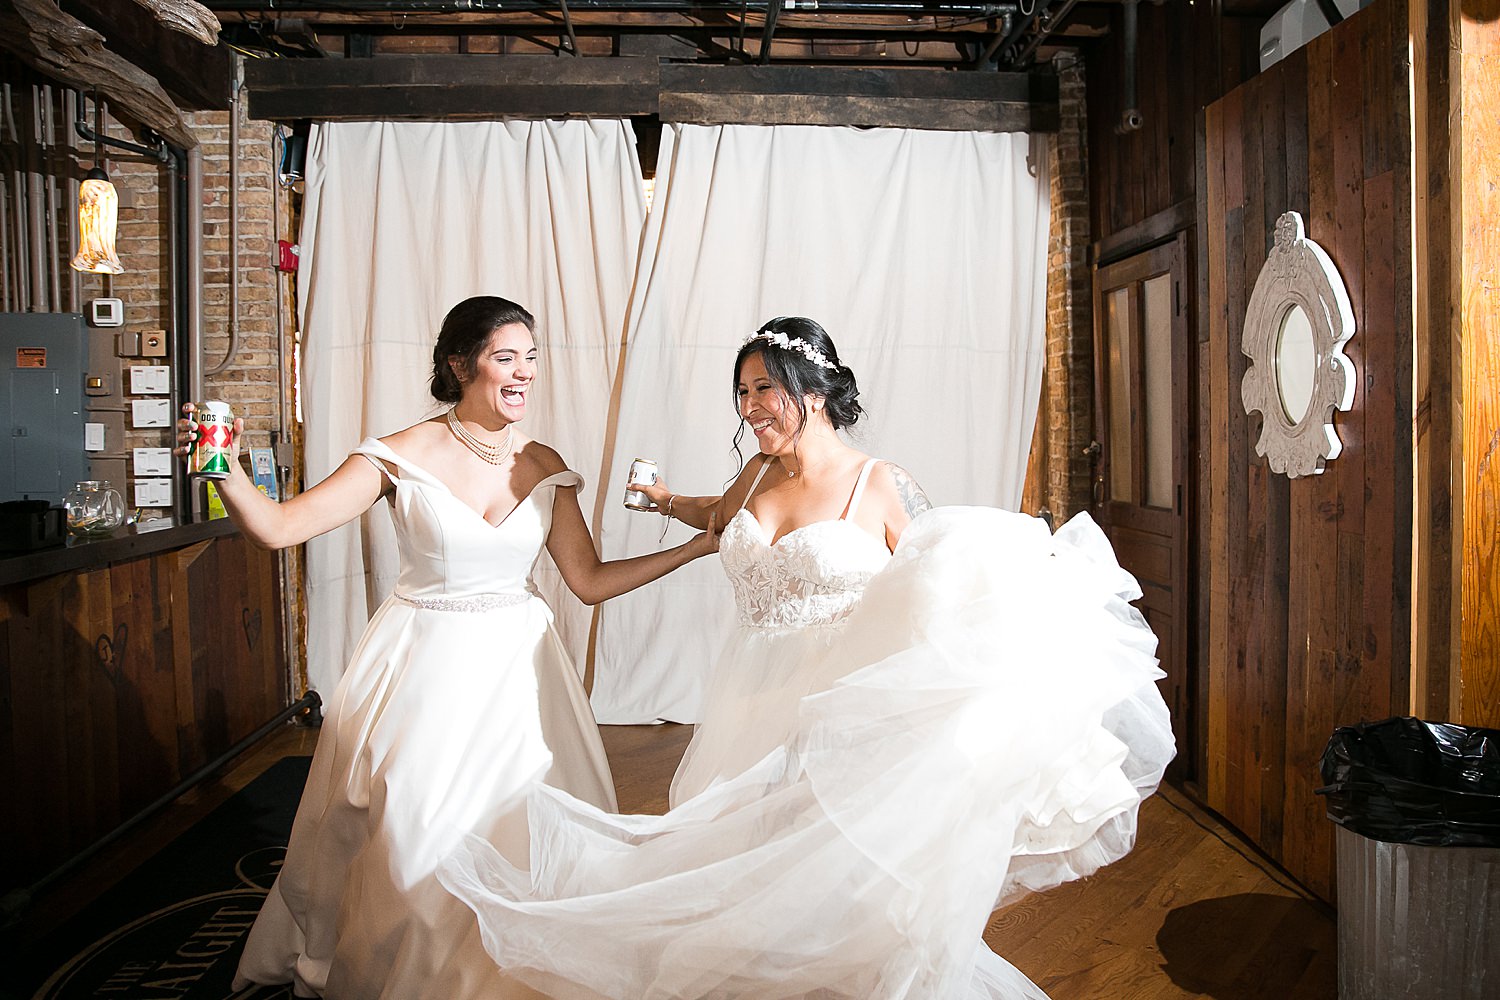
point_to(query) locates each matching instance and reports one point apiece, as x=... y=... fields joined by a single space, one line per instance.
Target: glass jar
x=94 y=508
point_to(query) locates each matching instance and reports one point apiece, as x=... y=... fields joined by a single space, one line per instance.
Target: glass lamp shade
x=98 y=210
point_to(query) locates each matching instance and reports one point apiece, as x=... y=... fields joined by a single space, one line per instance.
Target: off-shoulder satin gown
x=458 y=699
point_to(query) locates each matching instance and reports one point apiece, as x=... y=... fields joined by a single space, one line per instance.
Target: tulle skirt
x=989 y=726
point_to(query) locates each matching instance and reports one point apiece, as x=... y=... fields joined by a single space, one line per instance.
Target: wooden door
x=1143 y=427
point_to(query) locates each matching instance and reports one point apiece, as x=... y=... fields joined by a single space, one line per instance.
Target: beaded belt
x=479 y=602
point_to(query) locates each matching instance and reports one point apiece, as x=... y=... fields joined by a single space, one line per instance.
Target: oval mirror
x=1296 y=364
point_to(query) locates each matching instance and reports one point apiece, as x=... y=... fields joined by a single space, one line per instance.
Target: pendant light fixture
x=98 y=211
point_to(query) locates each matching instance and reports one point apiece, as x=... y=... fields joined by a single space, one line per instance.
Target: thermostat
x=106 y=312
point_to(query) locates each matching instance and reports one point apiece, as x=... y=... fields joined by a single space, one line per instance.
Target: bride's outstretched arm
x=348 y=492
x=696 y=511
x=693 y=511
x=594 y=580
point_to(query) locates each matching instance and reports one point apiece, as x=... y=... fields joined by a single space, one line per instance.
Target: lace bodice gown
x=792 y=599
x=940 y=730
x=458 y=698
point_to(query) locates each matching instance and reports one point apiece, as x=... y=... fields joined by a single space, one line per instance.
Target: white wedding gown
x=924 y=737
x=458 y=700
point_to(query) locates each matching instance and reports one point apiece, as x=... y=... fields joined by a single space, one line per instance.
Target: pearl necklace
x=493 y=454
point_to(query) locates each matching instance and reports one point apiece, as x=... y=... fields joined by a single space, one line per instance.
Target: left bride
x=893 y=743
x=459 y=696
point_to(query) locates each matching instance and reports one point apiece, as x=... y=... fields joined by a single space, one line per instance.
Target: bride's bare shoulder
x=419 y=436
x=900 y=488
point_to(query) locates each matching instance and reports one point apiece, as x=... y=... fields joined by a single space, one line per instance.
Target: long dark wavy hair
x=797 y=377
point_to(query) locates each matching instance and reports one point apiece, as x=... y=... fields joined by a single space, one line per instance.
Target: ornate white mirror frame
x=1298 y=297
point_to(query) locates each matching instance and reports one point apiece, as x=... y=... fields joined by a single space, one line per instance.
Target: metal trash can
x=1418 y=849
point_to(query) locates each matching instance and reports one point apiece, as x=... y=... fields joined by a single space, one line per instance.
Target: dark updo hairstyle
x=465 y=335
x=798 y=377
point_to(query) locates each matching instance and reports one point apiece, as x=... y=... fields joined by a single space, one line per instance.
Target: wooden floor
x=1192 y=912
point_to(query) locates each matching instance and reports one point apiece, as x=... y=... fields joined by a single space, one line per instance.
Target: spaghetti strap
x=755 y=482
x=859 y=490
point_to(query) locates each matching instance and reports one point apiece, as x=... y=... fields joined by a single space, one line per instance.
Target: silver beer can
x=642 y=473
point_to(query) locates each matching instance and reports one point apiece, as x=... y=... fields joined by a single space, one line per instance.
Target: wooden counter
x=126 y=664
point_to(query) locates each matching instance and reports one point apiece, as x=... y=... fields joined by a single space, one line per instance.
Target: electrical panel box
x=42 y=357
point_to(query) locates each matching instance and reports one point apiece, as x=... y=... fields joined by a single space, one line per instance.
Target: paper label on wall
x=150 y=379
x=263 y=471
x=151 y=461
x=31 y=357
x=150 y=413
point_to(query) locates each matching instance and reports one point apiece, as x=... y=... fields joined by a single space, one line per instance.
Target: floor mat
x=175 y=927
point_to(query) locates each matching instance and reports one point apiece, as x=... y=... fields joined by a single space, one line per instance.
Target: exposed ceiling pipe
x=1047 y=20
x=907 y=8
x=773 y=8
x=1130 y=118
x=160 y=152
x=568 y=24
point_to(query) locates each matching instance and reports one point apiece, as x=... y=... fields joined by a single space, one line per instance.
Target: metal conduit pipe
x=193 y=249
x=1130 y=118
x=70 y=211
x=34 y=212
x=234 y=227
x=5 y=241
x=55 y=229
x=16 y=177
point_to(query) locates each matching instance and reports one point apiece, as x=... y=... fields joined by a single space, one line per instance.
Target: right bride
x=923 y=715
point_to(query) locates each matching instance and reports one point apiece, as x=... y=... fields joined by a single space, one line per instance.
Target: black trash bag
x=1406 y=781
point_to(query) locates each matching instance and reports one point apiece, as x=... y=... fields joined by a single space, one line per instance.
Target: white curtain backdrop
x=402 y=221
x=924 y=256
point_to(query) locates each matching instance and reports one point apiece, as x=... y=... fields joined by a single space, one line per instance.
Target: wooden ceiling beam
x=60 y=46
x=623 y=21
x=197 y=76
x=450 y=87
x=824 y=95
x=469 y=87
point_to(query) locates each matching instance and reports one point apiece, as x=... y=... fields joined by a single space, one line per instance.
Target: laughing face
x=767 y=409
x=503 y=372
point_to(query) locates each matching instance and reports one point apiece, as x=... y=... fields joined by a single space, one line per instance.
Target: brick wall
x=252 y=381
x=1059 y=472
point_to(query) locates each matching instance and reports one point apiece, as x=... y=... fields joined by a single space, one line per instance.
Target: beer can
x=211 y=449
x=642 y=473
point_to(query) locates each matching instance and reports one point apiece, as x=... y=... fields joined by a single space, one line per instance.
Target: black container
x=1405 y=781
x=26 y=525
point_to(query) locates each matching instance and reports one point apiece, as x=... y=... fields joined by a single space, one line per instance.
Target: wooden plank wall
x=1478 y=187
x=1188 y=55
x=116 y=683
x=1309 y=579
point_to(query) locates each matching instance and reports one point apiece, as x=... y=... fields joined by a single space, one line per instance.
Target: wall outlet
x=153 y=492
x=148 y=380
x=150 y=413
x=151 y=461
x=153 y=343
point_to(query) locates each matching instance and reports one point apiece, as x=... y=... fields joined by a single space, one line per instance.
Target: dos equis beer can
x=211 y=448
x=642 y=473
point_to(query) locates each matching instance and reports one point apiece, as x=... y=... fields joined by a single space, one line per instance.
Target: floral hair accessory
x=801 y=347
